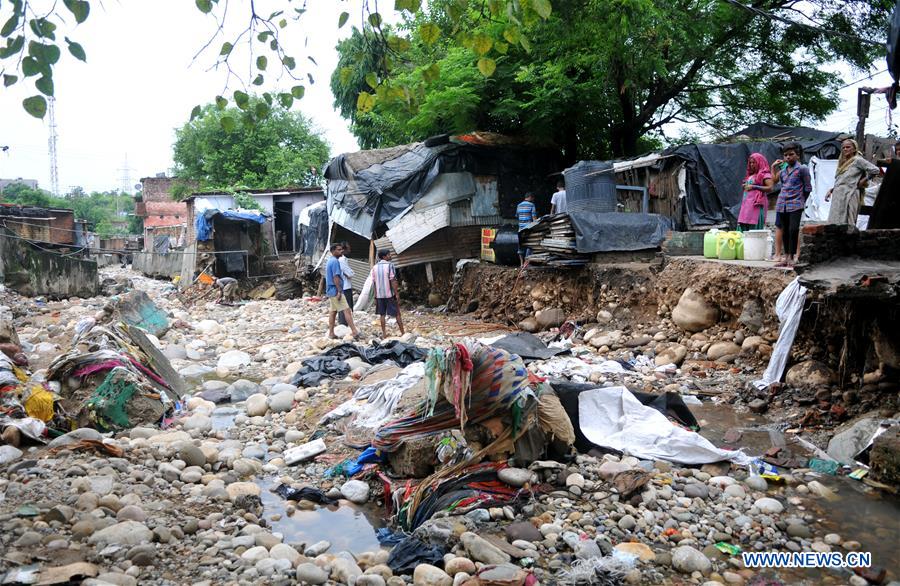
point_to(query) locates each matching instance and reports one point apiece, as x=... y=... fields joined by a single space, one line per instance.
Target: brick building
x=161 y=213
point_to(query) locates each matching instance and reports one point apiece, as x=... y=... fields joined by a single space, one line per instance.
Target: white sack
x=613 y=418
x=789 y=307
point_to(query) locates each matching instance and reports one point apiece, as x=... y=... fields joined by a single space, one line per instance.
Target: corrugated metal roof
x=445 y=244
x=360 y=272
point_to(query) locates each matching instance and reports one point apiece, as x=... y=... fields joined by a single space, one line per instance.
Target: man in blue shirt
x=526 y=213
x=334 y=290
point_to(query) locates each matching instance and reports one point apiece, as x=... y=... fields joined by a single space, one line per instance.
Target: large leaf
x=36 y=106
x=408 y=5
x=542 y=7
x=227 y=123
x=76 y=50
x=482 y=44
x=12 y=47
x=80 y=9
x=221 y=102
x=44 y=84
x=286 y=100
x=258 y=80
x=8 y=80
x=512 y=35
x=372 y=80
x=31 y=66
x=343 y=18
x=241 y=99
x=43 y=28
x=487 y=66
x=226 y=48
x=298 y=91
x=10 y=25
x=375 y=19
x=289 y=62
x=261 y=109
x=431 y=73
x=345 y=75
x=205 y=6
x=365 y=102
x=430 y=33
x=261 y=62
x=195 y=111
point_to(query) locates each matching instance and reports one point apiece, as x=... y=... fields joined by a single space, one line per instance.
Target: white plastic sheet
x=365 y=296
x=789 y=307
x=613 y=417
x=821 y=173
x=374 y=404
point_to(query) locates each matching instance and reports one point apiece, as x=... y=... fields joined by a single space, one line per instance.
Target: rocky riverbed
x=192 y=503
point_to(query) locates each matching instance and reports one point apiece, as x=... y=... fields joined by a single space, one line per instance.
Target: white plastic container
x=756 y=243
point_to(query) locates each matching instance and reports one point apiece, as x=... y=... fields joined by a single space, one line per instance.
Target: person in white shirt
x=558 y=201
x=347 y=278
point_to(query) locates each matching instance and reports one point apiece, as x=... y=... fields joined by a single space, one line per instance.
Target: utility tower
x=126 y=181
x=51 y=142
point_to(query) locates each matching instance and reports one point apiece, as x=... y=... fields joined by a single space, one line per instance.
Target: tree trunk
x=624 y=140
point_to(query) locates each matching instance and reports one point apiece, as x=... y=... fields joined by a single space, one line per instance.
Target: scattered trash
x=304 y=452
x=858 y=474
x=728 y=548
x=399 y=352
x=823 y=466
x=411 y=552
x=307 y=493
x=89 y=444
x=527 y=346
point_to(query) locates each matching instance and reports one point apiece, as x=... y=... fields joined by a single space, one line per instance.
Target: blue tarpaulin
x=203 y=224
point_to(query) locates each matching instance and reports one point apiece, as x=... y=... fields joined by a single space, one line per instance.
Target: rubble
x=491 y=497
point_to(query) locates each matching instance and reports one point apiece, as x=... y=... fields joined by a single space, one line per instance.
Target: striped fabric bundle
x=467 y=383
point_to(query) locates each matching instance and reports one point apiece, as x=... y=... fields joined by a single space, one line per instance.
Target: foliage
x=228 y=148
x=601 y=78
x=98 y=208
x=246 y=201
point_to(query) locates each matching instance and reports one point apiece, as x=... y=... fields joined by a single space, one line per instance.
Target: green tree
x=19 y=193
x=227 y=148
x=601 y=78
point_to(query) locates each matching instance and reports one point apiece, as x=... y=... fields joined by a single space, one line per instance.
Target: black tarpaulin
x=607 y=232
x=314 y=238
x=893 y=44
x=373 y=187
x=527 y=346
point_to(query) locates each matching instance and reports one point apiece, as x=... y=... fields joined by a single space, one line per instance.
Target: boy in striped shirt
x=387 y=294
x=526 y=213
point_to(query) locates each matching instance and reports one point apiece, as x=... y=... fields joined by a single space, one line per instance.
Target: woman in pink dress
x=757 y=183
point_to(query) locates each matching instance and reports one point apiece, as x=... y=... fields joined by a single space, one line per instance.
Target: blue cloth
x=387 y=537
x=368 y=456
x=332 y=270
x=203 y=223
x=526 y=213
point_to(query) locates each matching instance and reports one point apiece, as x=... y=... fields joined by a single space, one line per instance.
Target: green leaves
x=375 y=19
x=10 y=25
x=286 y=100
x=344 y=75
x=76 y=50
x=298 y=91
x=227 y=123
x=43 y=28
x=30 y=66
x=13 y=46
x=8 y=80
x=289 y=62
x=365 y=102
x=431 y=73
x=226 y=48
x=45 y=54
x=487 y=66
x=241 y=99
x=35 y=105
x=482 y=44
x=80 y=9
x=195 y=112
x=205 y=6
x=408 y=5
x=430 y=33
x=261 y=62
x=221 y=103
x=512 y=35
x=542 y=7
x=45 y=85
x=372 y=80
x=343 y=18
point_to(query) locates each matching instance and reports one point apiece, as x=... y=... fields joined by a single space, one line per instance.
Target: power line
x=770 y=16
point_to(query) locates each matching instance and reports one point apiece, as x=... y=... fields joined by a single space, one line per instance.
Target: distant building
x=162 y=215
x=31 y=183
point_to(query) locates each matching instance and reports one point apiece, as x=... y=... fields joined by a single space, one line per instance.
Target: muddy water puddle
x=223 y=417
x=860 y=513
x=347 y=527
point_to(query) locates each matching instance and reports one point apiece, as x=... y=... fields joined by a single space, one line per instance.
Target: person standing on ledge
x=558 y=201
x=795 y=188
x=849 y=184
x=347 y=276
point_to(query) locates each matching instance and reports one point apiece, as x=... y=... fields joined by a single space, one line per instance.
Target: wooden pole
x=863 y=99
x=371 y=253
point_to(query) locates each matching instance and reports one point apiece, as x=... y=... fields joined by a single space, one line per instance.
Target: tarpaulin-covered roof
x=203 y=223
x=369 y=188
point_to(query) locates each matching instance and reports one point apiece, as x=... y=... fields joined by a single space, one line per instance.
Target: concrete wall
x=33 y=272
x=157 y=265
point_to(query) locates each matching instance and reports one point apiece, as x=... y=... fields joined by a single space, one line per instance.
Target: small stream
x=863 y=514
x=347 y=527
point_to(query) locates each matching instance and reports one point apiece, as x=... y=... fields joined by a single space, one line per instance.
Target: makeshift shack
x=428 y=201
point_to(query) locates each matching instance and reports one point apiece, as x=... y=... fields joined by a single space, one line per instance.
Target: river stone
x=522 y=530
x=241 y=389
x=355 y=491
x=757 y=483
x=317 y=548
x=191 y=454
x=235 y=490
x=720 y=349
x=311 y=574
x=529 y=324
x=344 y=571
x=257 y=405
x=627 y=523
x=197 y=422
x=798 y=530
x=9 y=454
x=124 y=533
x=131 y=513
x=370 y=580
x=768 y=506
x=845 y=444
x=459 y=564
x=481 y=550
x=735 y=491
x=687 y=560
x=674 y=354
x=693 y=313
x=502 y=574
x=696 y=490
x=550 y=318
x=810 y=373
x=283 y=551
x=427 y=575
x=516 y=477
x=233 y=359
x=254 y=554
x=281 y=402
x=84 y=433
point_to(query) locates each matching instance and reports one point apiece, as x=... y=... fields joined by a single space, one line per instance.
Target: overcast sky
x=139 y=85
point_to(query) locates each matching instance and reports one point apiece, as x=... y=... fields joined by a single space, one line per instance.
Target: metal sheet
x=418 y=224
x=445 y=244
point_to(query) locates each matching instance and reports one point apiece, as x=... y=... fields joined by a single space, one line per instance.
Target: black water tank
x=506 y=246
x=590 y=191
